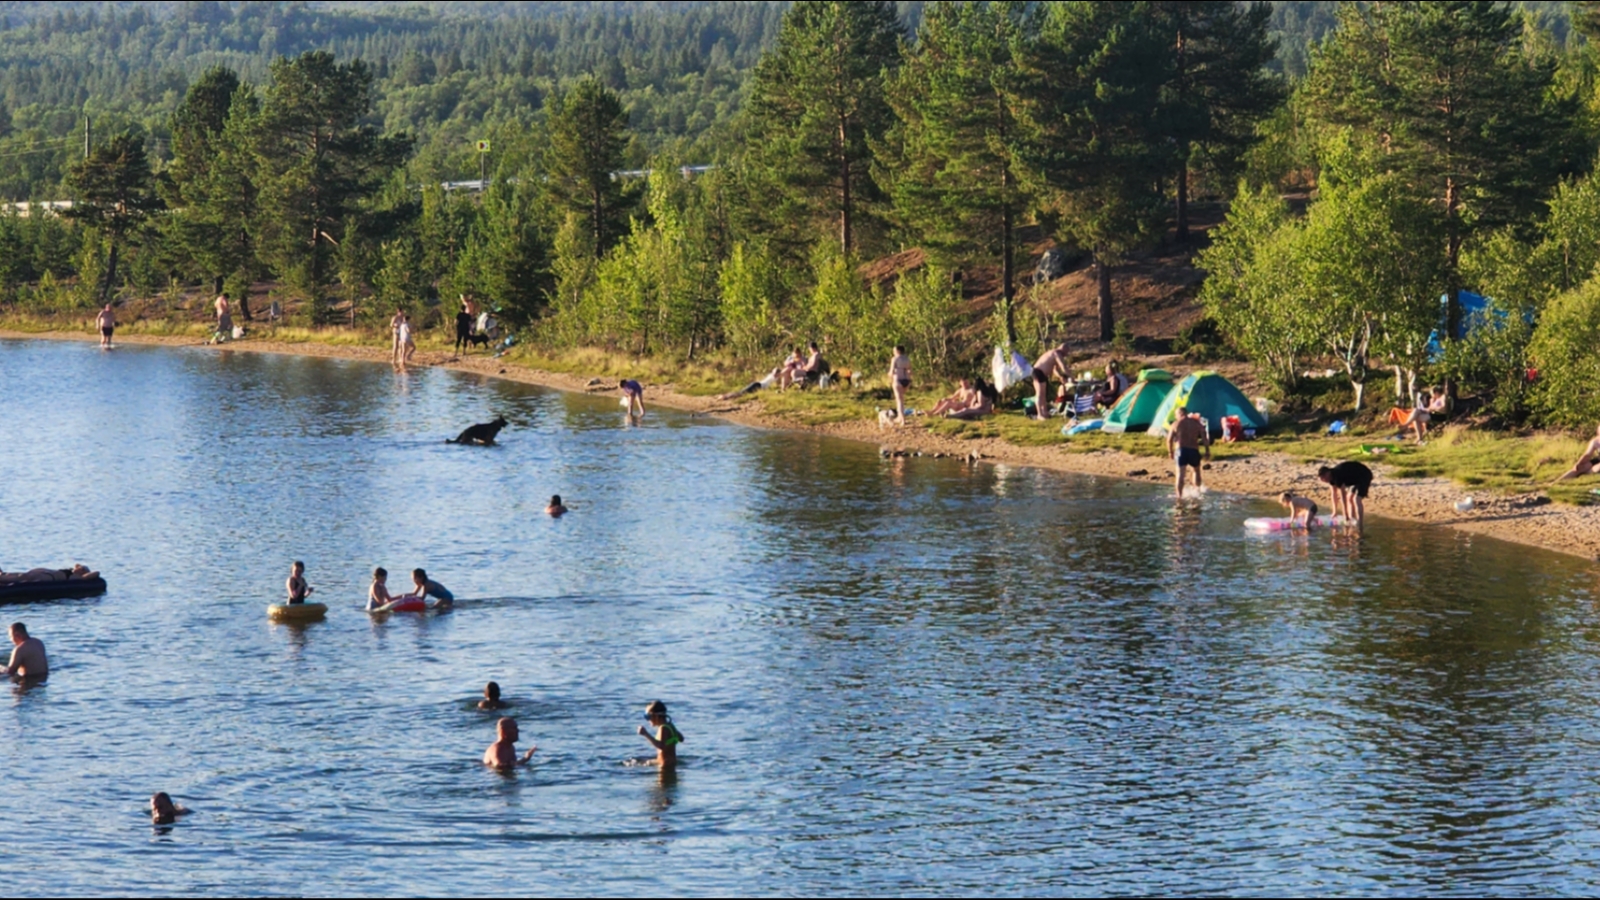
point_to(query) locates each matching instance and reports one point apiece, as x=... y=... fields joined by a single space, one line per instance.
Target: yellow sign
x=483 y=146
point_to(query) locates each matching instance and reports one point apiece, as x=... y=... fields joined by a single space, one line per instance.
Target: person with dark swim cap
x=667 y=736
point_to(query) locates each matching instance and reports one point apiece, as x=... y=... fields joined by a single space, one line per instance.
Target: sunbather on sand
x=962 y=399
x=985 y=397
x=1588 y=463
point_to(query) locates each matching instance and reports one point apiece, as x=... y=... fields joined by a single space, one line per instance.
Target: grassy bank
x=1484 y=461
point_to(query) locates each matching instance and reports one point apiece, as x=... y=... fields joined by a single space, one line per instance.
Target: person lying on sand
x=1588 y=463
x=752 y=387
x=502 y=754
x=163 y=811
x=1302 y=510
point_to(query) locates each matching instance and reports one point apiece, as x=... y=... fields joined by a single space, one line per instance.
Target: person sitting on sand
x=1302 y=510
x=28 y=659
x=815 y=366
x=502 y=754
x=1348 y=485
x=792 y=370
x=1588 y=463
x=983 y=403
x=1183 y=445
x=163 y=811
x=491 y=697
x=1116 y=385
x=296 y=585
x=1053 y=364
x=378 y=594
x=667 y=736
x=964 y=397
x=555 y=509
x=423 y=587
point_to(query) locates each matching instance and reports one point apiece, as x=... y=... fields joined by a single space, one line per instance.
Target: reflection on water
x=907 y=676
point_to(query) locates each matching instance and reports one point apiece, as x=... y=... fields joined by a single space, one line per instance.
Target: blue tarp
x=1476 y=309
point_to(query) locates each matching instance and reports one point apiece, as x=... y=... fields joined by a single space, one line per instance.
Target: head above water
x=298 y=567
x=555 y=499
x=506 y=729
x=656 y=710
x=491 y=691
x=19 y=632
x=419 y=576
x=380 y=573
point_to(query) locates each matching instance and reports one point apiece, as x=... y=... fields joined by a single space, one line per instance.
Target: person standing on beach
x=394 y=335
x=900 y=382
x=28 y=659
x=224 y=317
x=463 y=326
x=1052 y=364
x=107 y=323
x=1183 y=445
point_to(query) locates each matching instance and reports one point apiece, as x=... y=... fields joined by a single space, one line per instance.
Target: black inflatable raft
x=72 y=588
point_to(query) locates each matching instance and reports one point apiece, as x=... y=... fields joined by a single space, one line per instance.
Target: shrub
x=1564 y=352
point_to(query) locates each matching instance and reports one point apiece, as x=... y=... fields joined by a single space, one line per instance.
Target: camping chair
x=1084 y=405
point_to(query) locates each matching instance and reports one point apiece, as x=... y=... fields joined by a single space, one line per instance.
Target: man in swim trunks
x=1588 y=463
x=1183 y=445
x=634 y=392
x=1052 y=364
x=1348 y=485
x=296 y=585
x=107 y=323
x=28 y=658
x=502 y=754
x=424 y=587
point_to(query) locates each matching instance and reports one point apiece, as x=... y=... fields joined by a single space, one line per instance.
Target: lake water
x=904 y=677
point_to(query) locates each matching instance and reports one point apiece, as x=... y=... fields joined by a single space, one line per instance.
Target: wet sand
x=1521 y=519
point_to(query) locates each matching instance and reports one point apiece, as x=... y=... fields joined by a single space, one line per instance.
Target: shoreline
x=1569 y=530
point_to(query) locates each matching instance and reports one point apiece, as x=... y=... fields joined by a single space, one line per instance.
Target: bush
x=1564 y=350
x=1491 y=363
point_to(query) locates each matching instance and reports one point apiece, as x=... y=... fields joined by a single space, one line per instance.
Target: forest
x=1372 y=158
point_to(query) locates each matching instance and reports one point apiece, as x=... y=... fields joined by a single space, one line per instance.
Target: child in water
x=163 y=811
x=667 y=736
x=378 y=594
x=424 y=587
x=491 y=697
x=556 y=509
x=1302 y=510
x=296 y=585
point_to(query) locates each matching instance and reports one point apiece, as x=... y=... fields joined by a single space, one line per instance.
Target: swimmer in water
x=491 y=697
x=555 y=509
x=502 y=754
x=296 y=585
x=378 y=594
x=1302 y=510
x=667 y=736
x=424 y=587
x=163 y=811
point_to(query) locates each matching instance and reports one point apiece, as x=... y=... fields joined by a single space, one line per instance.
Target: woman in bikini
x=900 y=382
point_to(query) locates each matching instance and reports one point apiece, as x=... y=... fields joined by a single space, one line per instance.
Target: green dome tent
x=1138 y=407
x=1211 y=397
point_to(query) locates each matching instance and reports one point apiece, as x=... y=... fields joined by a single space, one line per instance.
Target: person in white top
x=394 y=334
x=408 y=347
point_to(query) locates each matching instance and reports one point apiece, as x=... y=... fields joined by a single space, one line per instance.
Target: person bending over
x=1348 y=485
x=423 y=587
x=502 y=754
x=1051 y=365
x=1302 y=510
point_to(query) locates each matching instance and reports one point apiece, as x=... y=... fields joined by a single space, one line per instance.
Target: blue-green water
x=906 y=677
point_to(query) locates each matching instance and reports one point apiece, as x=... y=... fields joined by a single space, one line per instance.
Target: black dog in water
x=482 y=435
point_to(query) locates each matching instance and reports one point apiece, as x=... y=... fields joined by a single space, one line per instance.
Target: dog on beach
x=478 y=340
x=483 y=435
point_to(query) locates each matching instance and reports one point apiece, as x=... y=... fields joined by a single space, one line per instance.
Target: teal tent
x=1138 y=407
x=1212 y=397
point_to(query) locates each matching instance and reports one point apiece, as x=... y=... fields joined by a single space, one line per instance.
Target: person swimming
x=424 y=587
x=378 y=594
x=163 y=811
x=667 y=736
x=502 y=754
x=491 y=697
x=555 y=509
x=297 y=587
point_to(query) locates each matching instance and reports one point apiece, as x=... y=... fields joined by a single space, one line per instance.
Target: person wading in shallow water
x=502 y=754
x=1183 y=445
x=28 y=660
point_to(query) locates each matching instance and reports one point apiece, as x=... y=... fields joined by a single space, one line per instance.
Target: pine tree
x=113 y=193
x=817 y=101
x=316 y=163
x=588 y=133
x=1218 y=86
x=1452 y=99
x=950 y=163
x=1098 y=145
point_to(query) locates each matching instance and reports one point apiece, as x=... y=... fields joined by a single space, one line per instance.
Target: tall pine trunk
x=845 y=237
x=1182 y=227
x=1108 y=323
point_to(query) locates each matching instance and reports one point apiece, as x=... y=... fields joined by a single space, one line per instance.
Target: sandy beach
x=1530 y=520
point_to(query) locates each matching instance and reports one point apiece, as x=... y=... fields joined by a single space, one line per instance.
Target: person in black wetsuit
x=1348 y=484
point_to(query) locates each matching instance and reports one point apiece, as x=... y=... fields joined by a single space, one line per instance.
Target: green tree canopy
x=588 y=133
x=114 y=193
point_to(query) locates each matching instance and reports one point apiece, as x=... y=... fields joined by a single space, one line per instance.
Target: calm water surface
x=908 y=677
